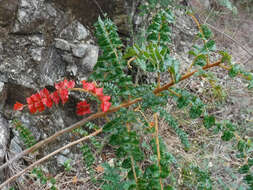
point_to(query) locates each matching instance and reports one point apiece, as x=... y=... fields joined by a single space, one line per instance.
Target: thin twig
x=158 y=147
x=48 y=156
x=132 y=159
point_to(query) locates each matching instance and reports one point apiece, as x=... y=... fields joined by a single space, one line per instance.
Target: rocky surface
x=4 y=139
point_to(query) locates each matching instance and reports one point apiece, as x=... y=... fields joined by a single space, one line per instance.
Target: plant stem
x=158 y=147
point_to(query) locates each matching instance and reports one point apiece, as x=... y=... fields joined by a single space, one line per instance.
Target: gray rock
x=15 y=146
x=61 y=160
x=65 y=152
x=79 y=50
x=75 y=32
x=36 y=54
x=3 y=95
x=4 y=138
x=81 y=32
x=68 y=58
x=89 y=61
x=53 y=69
x=29 y=16
x=72 y=69
x=62 y=44
x=37 y=40
x=7 y=11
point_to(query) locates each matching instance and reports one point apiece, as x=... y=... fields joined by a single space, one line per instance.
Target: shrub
x=142 y=159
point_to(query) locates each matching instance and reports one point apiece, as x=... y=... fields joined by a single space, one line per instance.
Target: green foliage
x=87 y=155
x=39 y=174
x=174 y=125
x=209 y=121
x=113 y=180
x=67 y=165
x=25 y=134
x=159 y=31
x=196 y=178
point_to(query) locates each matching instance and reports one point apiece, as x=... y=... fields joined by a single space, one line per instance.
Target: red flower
x=65 y=84
x=83 y=108
x=18 y=106
x=45 y=98
x=35 y=102
x=55 y=97
x=32 y=108
x=71 y=84
x=105 y=106
x=104 y=98
x=88 y=86
x=64 y=95
x=99 y=92
x=62 y=90
x=39 y=106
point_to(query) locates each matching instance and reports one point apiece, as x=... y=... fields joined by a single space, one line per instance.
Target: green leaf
x=126 y=163
x=210 y=45
x=227 y=135
x=226 y=58
x=200 y=60
x=244 y=169
x=250 y=162
x=168 y=188
x=108 y=127
x=209 y=121
x=182 y=101
x=152 y=171
x=174 y=125
x=206 y=31
x=234 y=71
x=195 y=111
x=249 y=179
x=241 y=145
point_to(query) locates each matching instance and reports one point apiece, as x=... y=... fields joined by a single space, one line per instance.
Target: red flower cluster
x=38 y=101
x=98 y=92
x=42 y=99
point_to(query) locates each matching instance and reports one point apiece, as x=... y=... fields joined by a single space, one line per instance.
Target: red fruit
x=99 y=91
x=83 y=108
x=18 y=106
x=105 y=106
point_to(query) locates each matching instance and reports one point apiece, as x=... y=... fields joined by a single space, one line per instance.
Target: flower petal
x=18 y=106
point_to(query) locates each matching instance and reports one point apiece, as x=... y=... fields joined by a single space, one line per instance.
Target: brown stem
x=165 y=87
